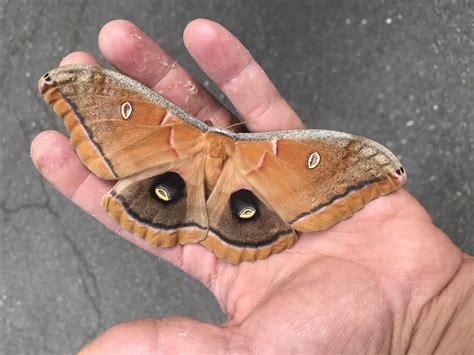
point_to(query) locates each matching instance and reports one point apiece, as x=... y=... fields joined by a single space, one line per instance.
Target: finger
x=136 y=55
x=79 y=58
x=230 y=65
x=172 y=335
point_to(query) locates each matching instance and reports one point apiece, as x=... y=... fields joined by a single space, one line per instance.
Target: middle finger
x=136 y=55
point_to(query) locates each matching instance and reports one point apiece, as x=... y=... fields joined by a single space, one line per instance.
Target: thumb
x=171 y=335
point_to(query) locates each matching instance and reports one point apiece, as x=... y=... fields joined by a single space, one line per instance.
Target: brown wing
x=313 y=178
x=237 y=239
x=118 y=126
x=133 y=203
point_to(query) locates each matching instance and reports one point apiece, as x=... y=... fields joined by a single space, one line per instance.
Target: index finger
x=231 y=66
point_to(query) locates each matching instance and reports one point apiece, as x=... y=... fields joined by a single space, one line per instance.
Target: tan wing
x=122 y=130
x=118 y=126
x=313 y=178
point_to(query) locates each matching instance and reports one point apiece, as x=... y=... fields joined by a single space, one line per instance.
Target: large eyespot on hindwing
x=243 y=205
x=168 y=187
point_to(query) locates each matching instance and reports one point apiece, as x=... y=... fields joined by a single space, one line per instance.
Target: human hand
x=371 y=283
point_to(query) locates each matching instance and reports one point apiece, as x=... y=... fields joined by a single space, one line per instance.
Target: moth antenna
x=241 y=123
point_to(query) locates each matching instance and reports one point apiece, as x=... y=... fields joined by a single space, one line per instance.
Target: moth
x=244 y=196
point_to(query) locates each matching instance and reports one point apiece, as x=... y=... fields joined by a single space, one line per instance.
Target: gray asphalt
x=399 y=72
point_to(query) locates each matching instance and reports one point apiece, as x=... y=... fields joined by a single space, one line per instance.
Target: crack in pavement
x=88 y=279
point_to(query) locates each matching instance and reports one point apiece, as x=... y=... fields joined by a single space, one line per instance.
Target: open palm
x=358 y=287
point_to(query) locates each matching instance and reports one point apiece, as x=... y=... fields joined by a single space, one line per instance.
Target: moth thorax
x=213 y=169
x=217 y=154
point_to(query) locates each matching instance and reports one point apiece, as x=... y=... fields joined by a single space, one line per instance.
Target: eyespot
x=242 y=204
x=313 y=160
x=126 y=110
x=168 y=187
x=162 y=193
x=400 y=171
x=47 y=80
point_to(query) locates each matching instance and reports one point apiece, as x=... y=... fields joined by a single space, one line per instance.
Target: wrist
x=446 y=323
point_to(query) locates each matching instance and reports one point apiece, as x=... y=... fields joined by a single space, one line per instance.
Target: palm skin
x=358 y=287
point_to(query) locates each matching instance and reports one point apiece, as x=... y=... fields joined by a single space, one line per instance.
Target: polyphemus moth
x=241 y=195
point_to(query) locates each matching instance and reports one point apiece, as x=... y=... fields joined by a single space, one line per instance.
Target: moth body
x=217 y=149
